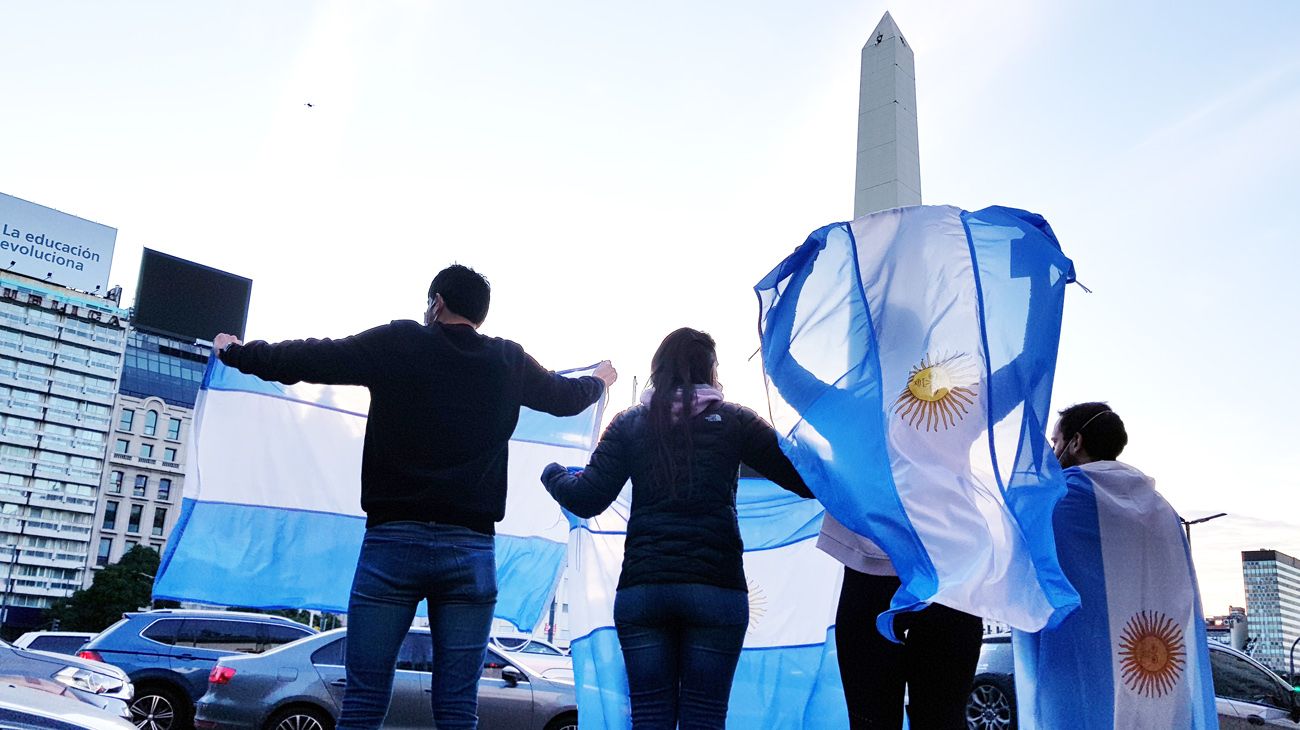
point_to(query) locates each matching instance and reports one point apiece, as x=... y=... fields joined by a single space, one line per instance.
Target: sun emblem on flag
x=1152 y=654
x=938 y=392
x=757 y=604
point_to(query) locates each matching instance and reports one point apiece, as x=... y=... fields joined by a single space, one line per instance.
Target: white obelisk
x=889 y=160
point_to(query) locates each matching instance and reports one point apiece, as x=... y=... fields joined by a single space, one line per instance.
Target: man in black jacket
x=444 y=401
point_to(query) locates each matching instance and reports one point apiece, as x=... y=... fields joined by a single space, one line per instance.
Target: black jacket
x=688 y=534
x=444 y=401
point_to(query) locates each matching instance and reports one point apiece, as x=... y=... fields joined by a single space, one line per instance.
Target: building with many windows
x=180 y=306
x=1273 y=603
x=1230 y=630
x=60 y=361
x=143 y=484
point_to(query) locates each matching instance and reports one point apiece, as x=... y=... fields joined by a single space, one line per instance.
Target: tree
x=124 y=586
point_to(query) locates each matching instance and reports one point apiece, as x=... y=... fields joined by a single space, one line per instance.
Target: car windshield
x=533 y=647
x=1236 y=678
x=996 y=656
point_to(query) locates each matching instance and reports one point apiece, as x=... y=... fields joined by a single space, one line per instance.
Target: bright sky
x=619 y=170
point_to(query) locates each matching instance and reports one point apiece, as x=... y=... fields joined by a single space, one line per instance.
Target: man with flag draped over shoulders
x=1134 y=655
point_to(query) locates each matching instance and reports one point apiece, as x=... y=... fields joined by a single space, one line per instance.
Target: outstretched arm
x=760 y=449
x=347 y=361
x=557 y=395
x=799 y=387
x=1008 y=386
x=595 y=488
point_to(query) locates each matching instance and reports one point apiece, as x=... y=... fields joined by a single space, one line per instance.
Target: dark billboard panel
x=189 y=300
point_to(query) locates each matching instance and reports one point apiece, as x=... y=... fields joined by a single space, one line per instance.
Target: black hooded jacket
x=684 y=531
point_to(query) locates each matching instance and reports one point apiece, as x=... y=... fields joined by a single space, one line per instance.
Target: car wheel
x=990 y=707
x=567 y=721
x=158 y=707
x=301 y=718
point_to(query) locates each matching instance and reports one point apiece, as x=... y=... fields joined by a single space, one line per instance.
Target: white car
x=55 y=642
x=95 y=683
x=542 y=657
x=1247 y=695
x=27 y=704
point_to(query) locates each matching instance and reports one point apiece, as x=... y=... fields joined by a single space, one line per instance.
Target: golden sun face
x=1152 y=654
x=938 y=393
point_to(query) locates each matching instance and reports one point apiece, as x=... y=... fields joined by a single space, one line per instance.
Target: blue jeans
x=401 y=564
x=681 y=642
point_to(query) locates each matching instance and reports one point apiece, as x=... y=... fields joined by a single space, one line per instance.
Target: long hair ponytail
x=685 y=358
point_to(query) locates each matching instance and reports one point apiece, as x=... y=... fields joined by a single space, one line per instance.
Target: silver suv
x=299 y=686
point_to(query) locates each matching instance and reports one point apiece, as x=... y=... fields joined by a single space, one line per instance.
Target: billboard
x=188 y=300
x=49 y=245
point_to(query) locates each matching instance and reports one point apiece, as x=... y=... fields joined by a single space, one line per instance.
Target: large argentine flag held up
x=1136 y=648
x=910 y=356
x=787 y=678
x=271 y=516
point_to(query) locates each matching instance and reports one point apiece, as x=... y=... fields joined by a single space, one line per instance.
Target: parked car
x=528 y=645
x=39 y=704
x=168 y=654
x=1247 y=695
x=543 y=658
x=992 y=702
x=300 y=687
x=93 y=683
x=55 y=642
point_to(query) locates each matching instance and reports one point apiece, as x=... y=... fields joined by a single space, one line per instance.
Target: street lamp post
x=9 y=583
x=1187 y=524
x=1295 y=682
x=13 y=560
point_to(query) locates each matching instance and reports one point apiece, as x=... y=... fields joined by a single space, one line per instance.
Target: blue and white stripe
x=960 y=497
x=787 y=677
x=272 y=519
x=1136 y=648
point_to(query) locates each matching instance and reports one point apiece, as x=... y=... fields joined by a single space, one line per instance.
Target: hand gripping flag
x=272 y=519
x=787 y=677
x=1136 y=648
x=909 y=357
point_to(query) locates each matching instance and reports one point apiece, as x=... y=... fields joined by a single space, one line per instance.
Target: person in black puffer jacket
x=682 y=605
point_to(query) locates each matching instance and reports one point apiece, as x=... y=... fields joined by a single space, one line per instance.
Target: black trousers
x=936 y=661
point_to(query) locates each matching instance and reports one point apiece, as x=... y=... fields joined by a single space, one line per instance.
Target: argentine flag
x=1136 y=648
x=272 y=515
x=787 y=678
x=909 y=357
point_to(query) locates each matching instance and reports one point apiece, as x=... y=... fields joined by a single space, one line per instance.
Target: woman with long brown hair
x=682 y=605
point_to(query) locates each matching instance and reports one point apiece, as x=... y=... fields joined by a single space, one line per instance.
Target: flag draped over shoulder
x=1136 y=648
x=787 y=677
x=272 y=519
x=909 y=357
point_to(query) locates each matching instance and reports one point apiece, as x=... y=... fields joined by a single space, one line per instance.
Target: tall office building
x=1273 y=604
x=180 y=307
x=143 y=484
x=60 y=361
